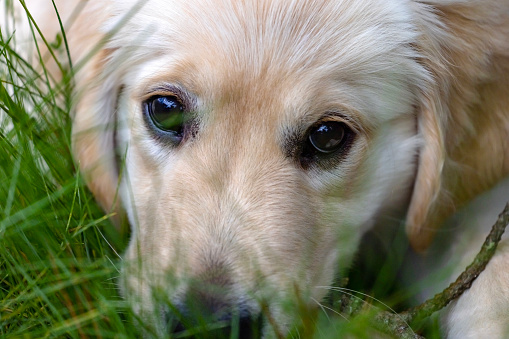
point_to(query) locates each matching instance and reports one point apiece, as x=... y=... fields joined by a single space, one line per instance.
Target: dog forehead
x=262 y=46
x=340 y=35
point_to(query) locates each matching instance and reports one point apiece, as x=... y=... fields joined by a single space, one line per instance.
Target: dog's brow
x=164 y=88
x=187 y=98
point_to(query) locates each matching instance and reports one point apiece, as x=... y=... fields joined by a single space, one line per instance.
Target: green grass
x=59 y=254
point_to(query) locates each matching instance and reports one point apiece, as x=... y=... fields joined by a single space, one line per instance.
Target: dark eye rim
x=159 y=133
x=311 y=156
x=318 y=126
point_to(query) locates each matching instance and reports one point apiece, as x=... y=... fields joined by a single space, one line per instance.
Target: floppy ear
x=420 y=225
x=463 y=115
x=94 y=126
x=101 y=56
x=96 y=91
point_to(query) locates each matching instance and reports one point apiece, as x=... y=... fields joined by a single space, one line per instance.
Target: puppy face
x=260 y=140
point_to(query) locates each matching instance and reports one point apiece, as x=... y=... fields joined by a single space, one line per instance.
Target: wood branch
x=387 y=322
x=398 y=324
x=465 y=280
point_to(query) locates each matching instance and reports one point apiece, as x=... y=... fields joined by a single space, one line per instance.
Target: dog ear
x=423 y=213
x=95 y=101
x=94 y=126
x=463 y=113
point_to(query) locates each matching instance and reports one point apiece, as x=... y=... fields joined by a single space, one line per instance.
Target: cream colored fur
x=424 y=85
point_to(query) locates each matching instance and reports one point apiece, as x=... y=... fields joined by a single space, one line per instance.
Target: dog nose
x=229 y=326
x=207 y=313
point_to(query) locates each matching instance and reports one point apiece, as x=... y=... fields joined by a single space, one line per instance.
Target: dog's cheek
x=135 y=285
x=343 y=236
x=380 y=182
x=144 y=279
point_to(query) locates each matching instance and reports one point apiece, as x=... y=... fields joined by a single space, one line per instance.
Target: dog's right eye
x=328 y=137
x=166 y=115
x=327 y=143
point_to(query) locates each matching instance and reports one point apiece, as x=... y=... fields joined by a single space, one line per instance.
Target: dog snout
x=206 y=311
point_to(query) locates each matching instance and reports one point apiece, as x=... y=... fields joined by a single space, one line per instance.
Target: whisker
x=111 y=262
x=349 y=292
x=106 y=240
x=343 y=289
x=323 y=307
x=112 y=278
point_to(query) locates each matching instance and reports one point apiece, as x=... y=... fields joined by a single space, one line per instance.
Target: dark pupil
x=166 y=113
x=328 y=137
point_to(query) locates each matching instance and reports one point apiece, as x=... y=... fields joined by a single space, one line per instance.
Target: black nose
x=229 y=326
x=207 y=313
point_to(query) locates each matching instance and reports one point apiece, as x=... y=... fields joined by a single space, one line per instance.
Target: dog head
x=254 y=142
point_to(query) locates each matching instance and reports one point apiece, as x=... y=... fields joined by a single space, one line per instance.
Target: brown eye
x=166 y=113
x=166 y=116
x=328 y=137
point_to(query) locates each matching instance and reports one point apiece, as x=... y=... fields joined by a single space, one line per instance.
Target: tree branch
x=398 y=324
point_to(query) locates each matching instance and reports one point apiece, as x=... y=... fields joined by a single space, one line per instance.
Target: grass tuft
x=58 y=260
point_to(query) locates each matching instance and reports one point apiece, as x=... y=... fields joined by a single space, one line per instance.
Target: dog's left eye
x=328 y=137
x=327 y=142
x=166 y=114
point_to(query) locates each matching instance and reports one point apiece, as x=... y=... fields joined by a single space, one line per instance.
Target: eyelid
x=169 y=90
x=158 y=93
x=340 y=117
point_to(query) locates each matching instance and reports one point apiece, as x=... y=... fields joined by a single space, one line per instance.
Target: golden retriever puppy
x=254 y=142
